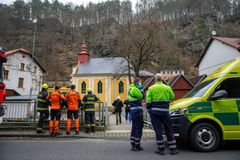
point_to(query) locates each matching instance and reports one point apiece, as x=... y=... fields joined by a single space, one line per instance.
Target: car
x=210 y=112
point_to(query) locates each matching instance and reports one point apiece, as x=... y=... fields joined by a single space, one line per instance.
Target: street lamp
x=214 y=33
x=34 y=38
x=33 y=49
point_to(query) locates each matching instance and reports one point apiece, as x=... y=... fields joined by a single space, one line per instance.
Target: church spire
x=83 y=56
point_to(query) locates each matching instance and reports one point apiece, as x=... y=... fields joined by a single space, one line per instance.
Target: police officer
x=56 y=99
x=135 y=96
x=42 y=108
x=89 y=100
x=73 y=104
x=158 y=98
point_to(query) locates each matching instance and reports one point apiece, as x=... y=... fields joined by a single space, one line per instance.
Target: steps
x=28 y=126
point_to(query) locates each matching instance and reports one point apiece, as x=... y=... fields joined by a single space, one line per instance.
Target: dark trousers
x=55 y=114
x=73 y=114
x=127 y=116
x=42 y=117
x=89 y=119
x=118 y=117
x=137 y=126
x=157 y=122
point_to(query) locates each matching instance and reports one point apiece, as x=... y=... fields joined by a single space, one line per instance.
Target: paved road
x=97 y=149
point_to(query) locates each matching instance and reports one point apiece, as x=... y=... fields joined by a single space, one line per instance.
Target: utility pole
x=33 y=50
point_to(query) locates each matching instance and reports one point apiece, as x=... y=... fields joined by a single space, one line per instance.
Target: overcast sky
x=79 y=2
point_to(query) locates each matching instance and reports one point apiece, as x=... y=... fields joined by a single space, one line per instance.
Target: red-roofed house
x=20 y=74
x=180 y=85
x=218 y=51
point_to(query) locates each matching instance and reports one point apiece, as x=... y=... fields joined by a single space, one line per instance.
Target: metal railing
x=20 y=110
x=146 y=116
x=27 y=111
x=101 y=115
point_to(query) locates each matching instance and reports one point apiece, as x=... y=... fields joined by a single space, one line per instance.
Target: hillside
x=170 y=33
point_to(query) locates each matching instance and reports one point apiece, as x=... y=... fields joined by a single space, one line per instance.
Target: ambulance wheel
x=204 y=137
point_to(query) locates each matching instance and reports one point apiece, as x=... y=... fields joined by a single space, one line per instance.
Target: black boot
x=160 y=151
x=67 y=133
x=173 y=152
x=93 y=129
x=76 y=132
x=40 y=130
x=138 y=148
x=87 y=130
x=133 y=147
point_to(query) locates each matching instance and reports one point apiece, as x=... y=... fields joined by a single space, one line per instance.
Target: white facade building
x=21 y=73
x=219 y=51
x=171 y=72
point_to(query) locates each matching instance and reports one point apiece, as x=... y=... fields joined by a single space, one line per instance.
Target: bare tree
x=136 y=42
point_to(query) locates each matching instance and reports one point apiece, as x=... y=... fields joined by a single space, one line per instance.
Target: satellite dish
x=214 y=33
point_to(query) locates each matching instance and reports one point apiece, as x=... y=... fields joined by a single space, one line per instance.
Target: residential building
x=22 y=73
x=218 y=51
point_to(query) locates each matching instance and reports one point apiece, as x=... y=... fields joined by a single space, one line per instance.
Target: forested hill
x=170 y=33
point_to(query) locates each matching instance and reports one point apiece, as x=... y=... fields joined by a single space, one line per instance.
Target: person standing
x=42 y=107
x=127 y=111
x=118 y=109
x=73 y=103
x=135 y=96
x=89 y=101
x=158 y=98
x=56 y=99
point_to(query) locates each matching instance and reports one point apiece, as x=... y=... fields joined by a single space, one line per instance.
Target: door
x=226 y=110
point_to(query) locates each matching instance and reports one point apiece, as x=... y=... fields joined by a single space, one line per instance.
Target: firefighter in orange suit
x=56 y=98
x=73 y=104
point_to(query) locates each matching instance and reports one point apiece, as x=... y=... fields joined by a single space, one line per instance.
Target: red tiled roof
x=176 y=78
x=233 y=42
x=16 y=50
x=21 y=50
x=150 y=80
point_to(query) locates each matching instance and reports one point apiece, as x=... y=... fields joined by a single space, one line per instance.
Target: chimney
x=83 y=57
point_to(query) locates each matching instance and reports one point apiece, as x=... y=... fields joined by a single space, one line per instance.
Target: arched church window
x=99 y=87
x=121 y=87
x=83 y=87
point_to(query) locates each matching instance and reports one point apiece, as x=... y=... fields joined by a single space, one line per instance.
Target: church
x=108 y=77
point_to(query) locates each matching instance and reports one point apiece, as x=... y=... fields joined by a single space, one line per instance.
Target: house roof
x=196 y=80
x=11 y=92
x=145 y=73
x=176 y=78
x=23 y=51
x=148 y=82
x=115 y=65
x=103 y=66
x=233 y=42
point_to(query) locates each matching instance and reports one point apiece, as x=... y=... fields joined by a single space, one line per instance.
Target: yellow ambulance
x=210 y=113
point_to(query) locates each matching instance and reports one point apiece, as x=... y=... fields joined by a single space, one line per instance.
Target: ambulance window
x=231 y=86
x=200 y=89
